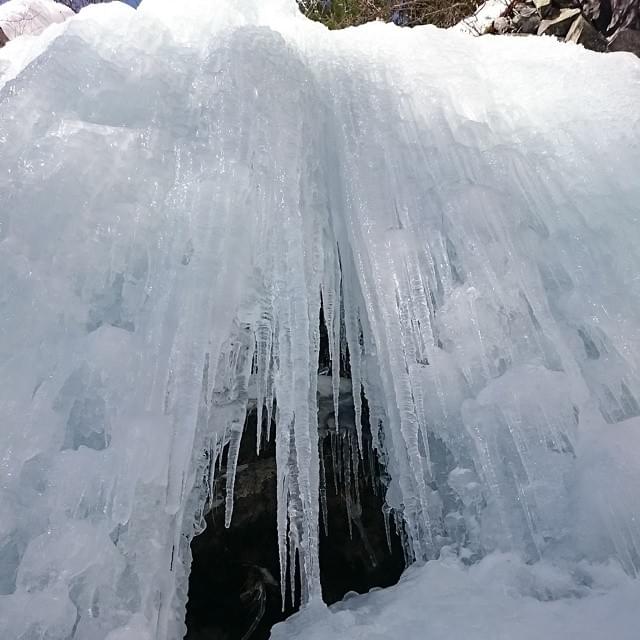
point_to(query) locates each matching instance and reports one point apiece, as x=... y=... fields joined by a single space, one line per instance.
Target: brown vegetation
x=337 y=14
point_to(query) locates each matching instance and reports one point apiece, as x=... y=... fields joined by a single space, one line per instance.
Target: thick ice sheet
x=180 y=185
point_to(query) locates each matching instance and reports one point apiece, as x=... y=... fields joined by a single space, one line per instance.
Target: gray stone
x=626 y=40
x=584 y=33
x=558 y=26
x=3 y=38
x=502 y=25
x=526 y=19
x=528 y=24
x=523 y=11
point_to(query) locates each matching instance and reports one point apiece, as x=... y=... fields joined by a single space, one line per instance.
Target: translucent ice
x=182 y=187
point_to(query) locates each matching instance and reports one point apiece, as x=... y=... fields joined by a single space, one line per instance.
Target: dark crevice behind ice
x=183 y=187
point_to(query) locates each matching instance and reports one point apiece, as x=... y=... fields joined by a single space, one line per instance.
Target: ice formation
x=181 y=188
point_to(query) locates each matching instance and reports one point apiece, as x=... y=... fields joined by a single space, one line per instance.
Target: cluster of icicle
x=183 y=187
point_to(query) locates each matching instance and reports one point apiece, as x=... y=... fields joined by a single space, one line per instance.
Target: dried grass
x=337 y=14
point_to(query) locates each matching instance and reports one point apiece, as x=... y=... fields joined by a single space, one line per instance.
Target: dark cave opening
x=234 y=591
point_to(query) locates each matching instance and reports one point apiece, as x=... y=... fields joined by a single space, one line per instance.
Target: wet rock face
x=234 y=591
x=233 y=588
x=355 y=553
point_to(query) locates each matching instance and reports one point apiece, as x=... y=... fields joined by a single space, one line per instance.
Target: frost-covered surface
x=499 y=598
x=178 y=185
x=31 y=17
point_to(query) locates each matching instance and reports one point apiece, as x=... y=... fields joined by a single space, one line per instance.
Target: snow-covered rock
x=582 y=22
x=30 y=17
x=482 y=18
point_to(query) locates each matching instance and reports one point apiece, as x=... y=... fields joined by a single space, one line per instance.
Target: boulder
x=529 y=25
x=626 y=40
x=558 y=26
x=527 y=21
x=584 y=33
x=502 y=25
x=3 y=38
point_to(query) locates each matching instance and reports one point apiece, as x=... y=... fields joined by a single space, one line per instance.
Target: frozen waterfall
x=183 y=186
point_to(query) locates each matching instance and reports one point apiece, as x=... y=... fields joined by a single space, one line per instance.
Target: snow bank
x=178 y=189
x=498 y=598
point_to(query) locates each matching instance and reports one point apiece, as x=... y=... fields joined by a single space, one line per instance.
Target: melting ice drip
x=180 y=190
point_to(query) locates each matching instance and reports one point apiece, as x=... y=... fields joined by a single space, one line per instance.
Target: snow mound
x=499 y=598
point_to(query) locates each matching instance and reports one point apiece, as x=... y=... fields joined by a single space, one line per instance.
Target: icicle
x=323 y=493
x=334 y=341
x=232 y=465
x=282 y=491
x=353 y=339
x=346 y=466
x=264 y=342
x=355 y=463
x=269 y=408
x=332 y=304
x=294 y=543
x=386 y=516
x=334 y=463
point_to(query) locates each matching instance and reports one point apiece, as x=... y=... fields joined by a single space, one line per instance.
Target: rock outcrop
x=599 y=25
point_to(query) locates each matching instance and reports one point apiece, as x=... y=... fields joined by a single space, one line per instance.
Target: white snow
x=178 y=188
x=501 y=598
x=30 y=25
x=31 y=17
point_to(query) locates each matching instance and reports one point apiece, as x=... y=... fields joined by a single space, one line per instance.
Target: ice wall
x=180 y=187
